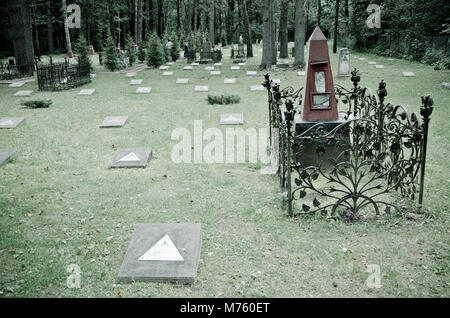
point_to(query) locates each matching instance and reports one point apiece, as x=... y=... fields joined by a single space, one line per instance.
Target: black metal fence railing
x=11 y=71
x=381 y=150
x=62 y=75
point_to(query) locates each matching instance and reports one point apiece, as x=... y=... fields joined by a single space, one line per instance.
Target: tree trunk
x=50 y=28
x=248 y=36
x=160 y=27
x=66 y=27
x=267 y=56
x=20 y=19
x=150 y=16
x=346 y=12
x=140 y=18
x=336 y=22
x=274 y=34
x=284 y=53
x=135 y=17
x=300 y=30
x=211 y=22
x=179 y=14
x=319 y=11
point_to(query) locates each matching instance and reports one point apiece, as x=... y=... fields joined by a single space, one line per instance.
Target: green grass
x=59 y=201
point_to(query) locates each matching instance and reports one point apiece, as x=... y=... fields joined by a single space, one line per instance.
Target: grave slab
x=162 y=252
x=209 y=68
x=93 y=75
x=232 y=119
x=241 y=64
x=11 y=122
x=379 y=66
x=131 y=74
x=215 y=73
x=114 y=121
x=445 y=85
x=88 y=91
x=7 y=155
x=136 y=82
x=167 y=73
x=16 y=84
x=163 y=67
x=170 y=63
x=234 y=68
x=362 y=58
x=188 y=68
x=195 y=64
x=372 y=63
x=201 y=88
x=276 y=80
x=251 y=73
x=229 y=80
x=301 y=73
x=143 y=90
x=23 y=93
x=217 y=64
x=182 y=80
x=391 y=59
x=257 y=88
x=408 y=74
x=131 y=158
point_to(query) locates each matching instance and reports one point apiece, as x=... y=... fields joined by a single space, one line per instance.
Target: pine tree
x=142 y=54
x=82 y=50
x=175 y=50
x=131 y=51
x=111 y=62
x=155 y=53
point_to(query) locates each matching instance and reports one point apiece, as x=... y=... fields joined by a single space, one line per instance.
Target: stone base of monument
x=7 y=155
x=162 y=252
x=310 y=156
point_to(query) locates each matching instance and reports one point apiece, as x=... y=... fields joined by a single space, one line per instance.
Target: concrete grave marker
x=164 y=67
x=167 y=73
x=23 y=93
x=132 y=74
x=229 y=80
x=257 y=88
x=232 y=119
x=131 y=158
x=11 y=122
x=234 y=68
x=16 y=84
x=301 y=73
x=217 y=64
x=7 y=155
x=251 y=73
x=182 y=80
x=170 y=63
x=408 y=74
x=88 y=91
x=241 y=64
x=136 y=82
x=391 y=59
x=162 y=252
x=445 y=85
x=209 y=68
x=188 y=68
x=215 y=73
x=195 y=64
x=344 y=63
x=93 y=75
x=362 y=58
x=114 y=121
x=372 y=63
x=143 y=90
x=199 y=88
x=276 y=80
x=379 y=66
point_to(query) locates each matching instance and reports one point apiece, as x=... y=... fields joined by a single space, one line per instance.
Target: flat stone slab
x=195 y=64
x=162 y=252
x=88 y=91
x=170 y=63
x=167 y=73
x=131 y=158
x=391 y=59
x=445 y=85
x=229 y=80
x=7 y=155
x=251 y=73
x=257 y=88
x=163 y=67
x=23 y=93
x=136 y=82
x=241 y=64
x=201 y=88
x=379 y=66
x=114 y=121
x=182 y=80
x=283 y=65
x=131 y=74
x=93 y=75
x=215 y=73
x=209 y=68
x=362 y=59
x=11 y=122
x=217 y=64
x=276 y=80
x=301 y=73
x=188 y=68
x=408 y=74
x=143 y=90
x=234 y=68
x=232 y=119
x=16 y=84
x=372 y=63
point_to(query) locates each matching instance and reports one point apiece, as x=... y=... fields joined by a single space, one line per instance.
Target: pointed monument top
x=317 y=35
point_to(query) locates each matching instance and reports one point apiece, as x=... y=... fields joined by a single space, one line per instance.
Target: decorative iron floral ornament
x=381 y=150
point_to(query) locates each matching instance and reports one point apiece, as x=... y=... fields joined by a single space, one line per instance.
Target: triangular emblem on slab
x=163 y=250
x=130 y=157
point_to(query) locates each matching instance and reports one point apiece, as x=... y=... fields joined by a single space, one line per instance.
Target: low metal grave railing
x=12 y=71
x=380 y=151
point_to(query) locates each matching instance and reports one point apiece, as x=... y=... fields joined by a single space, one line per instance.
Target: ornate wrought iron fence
x=380 y=149
x=62 y=75
x=12 y=71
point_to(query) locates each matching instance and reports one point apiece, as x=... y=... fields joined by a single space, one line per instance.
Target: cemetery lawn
x=61 y=205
